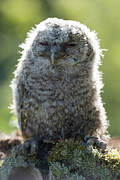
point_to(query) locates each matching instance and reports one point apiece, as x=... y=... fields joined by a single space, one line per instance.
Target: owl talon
x=30 y=146
x=95 y=141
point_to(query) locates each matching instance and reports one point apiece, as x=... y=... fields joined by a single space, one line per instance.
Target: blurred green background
x=17 y=17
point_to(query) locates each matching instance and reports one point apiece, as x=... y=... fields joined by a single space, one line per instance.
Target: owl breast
x=52 y=102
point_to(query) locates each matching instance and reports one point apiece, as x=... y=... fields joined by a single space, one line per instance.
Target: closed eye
x=70 y=45
x=43 y=43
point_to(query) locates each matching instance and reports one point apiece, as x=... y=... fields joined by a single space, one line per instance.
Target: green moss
x=63 y=150
x=70 y=157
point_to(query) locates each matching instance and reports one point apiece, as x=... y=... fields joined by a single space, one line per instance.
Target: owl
x=57 y=84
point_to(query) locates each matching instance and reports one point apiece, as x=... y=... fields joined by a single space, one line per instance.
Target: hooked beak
x=52 y=57
x=55 y=50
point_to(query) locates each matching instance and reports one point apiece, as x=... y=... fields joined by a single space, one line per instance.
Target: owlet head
x=63 y=41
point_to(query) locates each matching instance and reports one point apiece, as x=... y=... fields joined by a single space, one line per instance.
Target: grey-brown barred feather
x=56 y=88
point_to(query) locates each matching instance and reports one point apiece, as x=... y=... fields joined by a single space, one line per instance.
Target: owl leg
x=30 y=146
x=95 y=141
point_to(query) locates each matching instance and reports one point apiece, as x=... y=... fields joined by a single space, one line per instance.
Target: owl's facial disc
x=61 y=44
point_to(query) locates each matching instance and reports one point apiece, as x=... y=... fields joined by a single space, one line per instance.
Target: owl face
x=61 y=42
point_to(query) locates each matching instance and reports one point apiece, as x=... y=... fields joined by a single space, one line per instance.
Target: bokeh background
x=17 y=17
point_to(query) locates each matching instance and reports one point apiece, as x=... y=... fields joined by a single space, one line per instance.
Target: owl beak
x=52 y=57
x=53 y=52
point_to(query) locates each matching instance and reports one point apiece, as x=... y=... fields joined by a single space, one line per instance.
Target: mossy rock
x=67 y=160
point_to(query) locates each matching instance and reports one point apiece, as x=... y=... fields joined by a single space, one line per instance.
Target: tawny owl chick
x=57 y=84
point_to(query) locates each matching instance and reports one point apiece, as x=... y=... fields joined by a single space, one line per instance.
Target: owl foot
x=30 y=146
x=95 y=141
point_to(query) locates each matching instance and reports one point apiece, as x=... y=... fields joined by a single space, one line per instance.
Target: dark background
x=17 y=17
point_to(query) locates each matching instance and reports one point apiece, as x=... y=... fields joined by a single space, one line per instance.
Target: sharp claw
x=95 y=141
x=28 y=147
